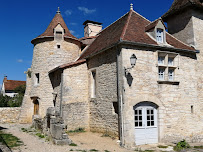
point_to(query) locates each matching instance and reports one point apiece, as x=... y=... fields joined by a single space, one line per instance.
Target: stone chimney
x=5 y=78
x=91 y=28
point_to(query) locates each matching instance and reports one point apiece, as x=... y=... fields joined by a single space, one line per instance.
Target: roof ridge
x=113 y=22
x=126 y=25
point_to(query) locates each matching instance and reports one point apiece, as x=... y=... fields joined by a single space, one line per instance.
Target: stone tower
x=185 y=22
x=56 y=46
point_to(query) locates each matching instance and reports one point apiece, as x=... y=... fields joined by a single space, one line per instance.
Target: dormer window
x=58 y=35
x=160 y=35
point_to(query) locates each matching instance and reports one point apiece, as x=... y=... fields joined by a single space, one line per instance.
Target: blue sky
x=23 y=20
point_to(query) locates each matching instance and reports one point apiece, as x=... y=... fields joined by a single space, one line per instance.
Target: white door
x=146 y=131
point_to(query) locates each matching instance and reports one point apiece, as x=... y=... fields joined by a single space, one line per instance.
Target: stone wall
x=103 y=116
x=75 y=97
x=176 y=119
x=9 y=115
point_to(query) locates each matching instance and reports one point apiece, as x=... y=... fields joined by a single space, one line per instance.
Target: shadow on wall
x=129 y=78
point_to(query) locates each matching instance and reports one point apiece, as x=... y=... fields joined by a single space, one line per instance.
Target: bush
x=181 y=145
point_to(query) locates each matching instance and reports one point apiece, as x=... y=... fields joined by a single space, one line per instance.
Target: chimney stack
x=5 y=78
x=91 y=28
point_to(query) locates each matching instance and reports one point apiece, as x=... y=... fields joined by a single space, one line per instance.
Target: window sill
x=168 y=82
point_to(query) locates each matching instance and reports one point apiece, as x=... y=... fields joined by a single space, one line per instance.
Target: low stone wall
x=9 y=115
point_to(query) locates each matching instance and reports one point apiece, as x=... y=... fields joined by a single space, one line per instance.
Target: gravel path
x=85 y=141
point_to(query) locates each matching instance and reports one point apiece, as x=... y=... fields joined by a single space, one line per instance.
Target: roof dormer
x=59 y=33
x=157 y=31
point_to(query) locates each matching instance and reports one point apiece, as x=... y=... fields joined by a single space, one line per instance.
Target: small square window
x=58 y=46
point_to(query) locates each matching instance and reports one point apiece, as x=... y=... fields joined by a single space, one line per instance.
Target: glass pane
x=136 y=124
x=140 y=112
x=152 y=111
x=148 y=123
x=140 y=117
x=140 y=124
x=147 y=111
x=148 y=117
x=152 y=117
x=136 y=118
x=135 y=112
x=152 y=123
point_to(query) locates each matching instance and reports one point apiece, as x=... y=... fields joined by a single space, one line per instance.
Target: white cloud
x=68 y=12
x=19 y=60
x=86 y=10
x=72 y=32
x=73 y=23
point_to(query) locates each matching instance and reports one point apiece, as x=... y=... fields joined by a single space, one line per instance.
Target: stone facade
x=176 y=121
x=9 y=115
x=103 y=117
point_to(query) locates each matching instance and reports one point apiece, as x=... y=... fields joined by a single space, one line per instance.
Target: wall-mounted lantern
x=133 y=60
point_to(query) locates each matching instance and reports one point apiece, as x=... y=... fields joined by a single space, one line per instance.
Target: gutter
x=144 y=45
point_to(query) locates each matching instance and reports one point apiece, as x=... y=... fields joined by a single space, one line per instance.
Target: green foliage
x=10 y=140
x=198 y=147
x=78 y=130
x=161 y=146
x=15 y=101
x=40 y=135
x=93 y=150
x=106 y=151
x=73 y=144
x=20 y=89
x=181 y=145
x=4 y=100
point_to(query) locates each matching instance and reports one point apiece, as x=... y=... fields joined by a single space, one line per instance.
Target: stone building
x=132 y=79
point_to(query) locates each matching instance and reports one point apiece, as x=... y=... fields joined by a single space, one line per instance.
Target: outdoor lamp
x=133 y=60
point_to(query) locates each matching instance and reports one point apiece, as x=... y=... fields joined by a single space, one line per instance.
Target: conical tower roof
x=49 y=32
x=179 y=5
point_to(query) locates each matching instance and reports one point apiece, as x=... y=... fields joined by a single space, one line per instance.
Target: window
x=170 y=61
x=138 y=118
x=58 y=46
x=170 y=74
x=161 y=60
x=160 y=35
x=161 y=73
x=93 y=84
x=36 y=79
x=167 y=64
x=58 y=35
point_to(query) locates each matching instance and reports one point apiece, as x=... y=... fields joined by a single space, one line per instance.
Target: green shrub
x=78 y=130
x=161 y=146
x=181 y=145
x=73 y=144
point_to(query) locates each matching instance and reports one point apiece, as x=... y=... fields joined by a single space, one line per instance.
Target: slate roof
x=179 y=5
x=130 y=27
x=49 y=32
x=12 y=84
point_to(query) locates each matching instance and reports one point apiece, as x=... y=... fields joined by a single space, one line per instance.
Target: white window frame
x=161 y=74
x=170 y=74
x=160 y=35
x=93 y=83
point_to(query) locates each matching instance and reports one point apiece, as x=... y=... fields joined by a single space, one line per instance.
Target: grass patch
x=162 y=146
x=106 y=151
x=78 y=130
x=10 y=140
x=198 y=147
x=93 y=150
x=73 y=144
x=40 y=135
